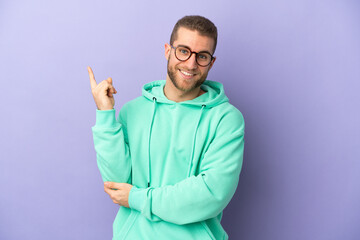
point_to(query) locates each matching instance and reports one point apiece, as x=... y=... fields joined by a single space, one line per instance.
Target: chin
x=184 y=85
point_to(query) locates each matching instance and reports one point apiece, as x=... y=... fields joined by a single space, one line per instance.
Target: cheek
x=173 y=63
x=203 y=71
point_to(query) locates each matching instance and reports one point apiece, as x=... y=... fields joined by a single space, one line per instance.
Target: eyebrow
x=180 y=45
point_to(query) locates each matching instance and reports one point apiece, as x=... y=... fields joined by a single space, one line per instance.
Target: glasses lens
x=203 y=58
x=182 y=53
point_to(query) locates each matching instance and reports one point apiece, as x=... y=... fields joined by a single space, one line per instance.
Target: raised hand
x=102 y=92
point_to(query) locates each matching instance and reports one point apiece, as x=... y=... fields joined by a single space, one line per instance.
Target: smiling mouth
x=187 y=74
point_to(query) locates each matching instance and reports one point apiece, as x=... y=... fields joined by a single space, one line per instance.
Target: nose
x=191 y=62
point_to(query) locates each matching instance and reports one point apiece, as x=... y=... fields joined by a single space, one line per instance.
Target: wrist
x=105 y=118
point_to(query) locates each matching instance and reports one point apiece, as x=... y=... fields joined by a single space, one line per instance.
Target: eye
x=183 y=51
x=203 y=56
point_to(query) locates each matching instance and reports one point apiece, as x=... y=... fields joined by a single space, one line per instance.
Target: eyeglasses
x=184 y=53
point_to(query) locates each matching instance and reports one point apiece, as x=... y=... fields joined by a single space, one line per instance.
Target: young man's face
x=187 y=76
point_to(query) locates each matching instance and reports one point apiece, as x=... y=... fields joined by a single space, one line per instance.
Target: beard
x=172 y=72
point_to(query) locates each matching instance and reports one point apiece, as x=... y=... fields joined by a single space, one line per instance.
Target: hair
x=198 y=23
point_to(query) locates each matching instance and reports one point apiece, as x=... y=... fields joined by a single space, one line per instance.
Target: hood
x=213 y=96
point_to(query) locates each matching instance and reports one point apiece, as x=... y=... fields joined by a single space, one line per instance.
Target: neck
x=176 y=95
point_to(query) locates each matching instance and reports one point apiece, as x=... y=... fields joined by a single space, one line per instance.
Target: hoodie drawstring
x=151 y=123
x=194 y=138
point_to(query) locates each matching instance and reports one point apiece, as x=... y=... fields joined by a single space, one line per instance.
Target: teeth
x=187 y=74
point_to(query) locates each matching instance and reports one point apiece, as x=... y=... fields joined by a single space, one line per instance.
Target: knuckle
x=105 y=83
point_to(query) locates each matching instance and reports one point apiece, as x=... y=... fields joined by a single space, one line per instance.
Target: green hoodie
x=183 y=159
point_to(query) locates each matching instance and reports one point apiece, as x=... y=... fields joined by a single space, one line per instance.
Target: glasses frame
x=191 y=53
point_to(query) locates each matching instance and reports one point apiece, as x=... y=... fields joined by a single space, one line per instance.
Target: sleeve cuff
x=137 y=198
x=105 y=118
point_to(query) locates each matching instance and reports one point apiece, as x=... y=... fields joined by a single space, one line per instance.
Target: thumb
x=109 y=80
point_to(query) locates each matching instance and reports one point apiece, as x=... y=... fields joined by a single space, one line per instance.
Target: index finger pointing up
x=92 y=78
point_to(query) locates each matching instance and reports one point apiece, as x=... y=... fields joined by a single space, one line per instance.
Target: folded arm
x=203 y=196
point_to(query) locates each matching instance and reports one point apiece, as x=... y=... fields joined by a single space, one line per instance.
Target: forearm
x=176 y=205
x=195 y=198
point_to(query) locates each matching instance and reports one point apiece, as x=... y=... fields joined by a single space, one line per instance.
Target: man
x=173 y=157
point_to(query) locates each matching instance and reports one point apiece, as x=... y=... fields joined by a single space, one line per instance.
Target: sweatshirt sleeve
x=204 y=196
x=112 y=150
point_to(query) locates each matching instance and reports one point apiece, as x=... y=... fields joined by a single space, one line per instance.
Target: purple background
x=291 y=67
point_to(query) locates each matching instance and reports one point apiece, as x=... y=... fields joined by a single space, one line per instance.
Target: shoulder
x=131 y=106
x=136 y=108
x=229 y=117
x=136 y=104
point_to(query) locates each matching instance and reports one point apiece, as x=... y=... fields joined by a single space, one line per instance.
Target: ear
x=167 y=51
x=212 y=63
